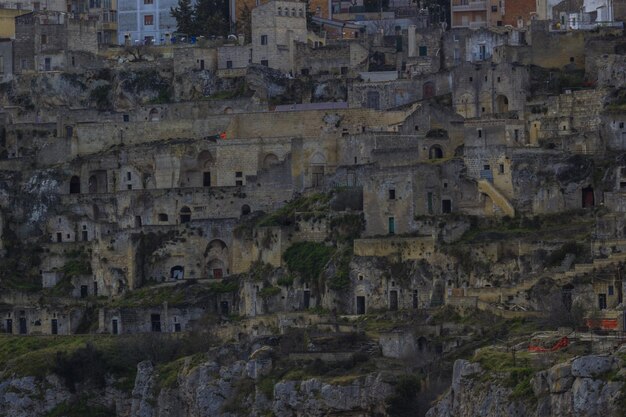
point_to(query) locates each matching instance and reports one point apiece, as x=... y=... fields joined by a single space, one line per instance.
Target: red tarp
x=563 y=342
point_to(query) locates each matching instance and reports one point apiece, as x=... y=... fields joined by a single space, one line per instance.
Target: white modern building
x=145 y=21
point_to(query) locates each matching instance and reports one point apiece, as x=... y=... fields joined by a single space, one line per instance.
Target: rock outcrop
x=588 y=386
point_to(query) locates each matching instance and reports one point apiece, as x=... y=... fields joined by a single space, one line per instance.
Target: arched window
x=280 y=11
x=185 y=215
x=75 y=185
x=293 y=11
x=154 y=115
x=163 y=217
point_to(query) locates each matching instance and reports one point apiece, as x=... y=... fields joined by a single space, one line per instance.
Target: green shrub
x=267 y=292
x=404 y=402
x=308 y=259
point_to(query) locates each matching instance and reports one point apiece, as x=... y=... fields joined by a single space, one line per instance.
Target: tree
x=212 y=18
x=185 y=16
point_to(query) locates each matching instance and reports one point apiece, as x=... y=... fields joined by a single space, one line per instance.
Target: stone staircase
x=487 y=188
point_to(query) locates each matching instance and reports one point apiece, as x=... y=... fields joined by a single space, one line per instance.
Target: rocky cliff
x=586 y=386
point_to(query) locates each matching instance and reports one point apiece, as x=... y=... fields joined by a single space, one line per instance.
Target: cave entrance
x=224 y=308
x=588 y=197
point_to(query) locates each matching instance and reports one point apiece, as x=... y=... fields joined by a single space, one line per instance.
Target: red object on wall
x=605 y=324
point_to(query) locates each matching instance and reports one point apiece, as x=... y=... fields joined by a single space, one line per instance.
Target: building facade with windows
x=145 y=21
x=276 y=27
x=46 y=41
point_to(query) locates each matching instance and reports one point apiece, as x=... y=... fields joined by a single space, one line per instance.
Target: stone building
x=485 y=89
x=276 y=27
x=44 y=41
x=6 y=60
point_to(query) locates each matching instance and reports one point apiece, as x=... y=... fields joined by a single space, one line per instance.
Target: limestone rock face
x=26 y=397
x=575 y=388
x=210 y=389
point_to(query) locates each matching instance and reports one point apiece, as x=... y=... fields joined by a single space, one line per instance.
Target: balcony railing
x=470 y=6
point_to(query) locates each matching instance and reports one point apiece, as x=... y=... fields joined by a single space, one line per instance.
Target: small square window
x=239 y=174
x=417 y=128
x=129 y=186
x=571 y=59
x=265 y=63
x=494 y=9
x=263 y=39
x=239 y=183
x=471 y=79
x=126 y=118
x=392 y=194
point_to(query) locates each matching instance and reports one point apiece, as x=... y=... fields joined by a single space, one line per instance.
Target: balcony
x=470 y=6
x=109 y=26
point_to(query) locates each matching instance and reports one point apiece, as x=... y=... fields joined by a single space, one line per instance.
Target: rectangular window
x=392 y=194
x=1 y=64
x=148 y=1
x=423 y=51
x=392 y=225
x=263 y=39
x=344 y=70
x=229 y=64
x=44 y=39
x=480 y=133
x=621 y=125
x=238 y=174
x=611 y=290
x=501 y=168
x=602 y=301
x=494 y=8
x=148 y=20
x=265 y=63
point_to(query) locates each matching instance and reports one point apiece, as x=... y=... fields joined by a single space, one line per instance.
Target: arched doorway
x=588 y=197
x=270 y=160
x=217 y=254
x=75 y=185
x=435 y=152
x=177 y=272
x=185 y=214
x=502 y=104
x=205 y=164
x=318 y=163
